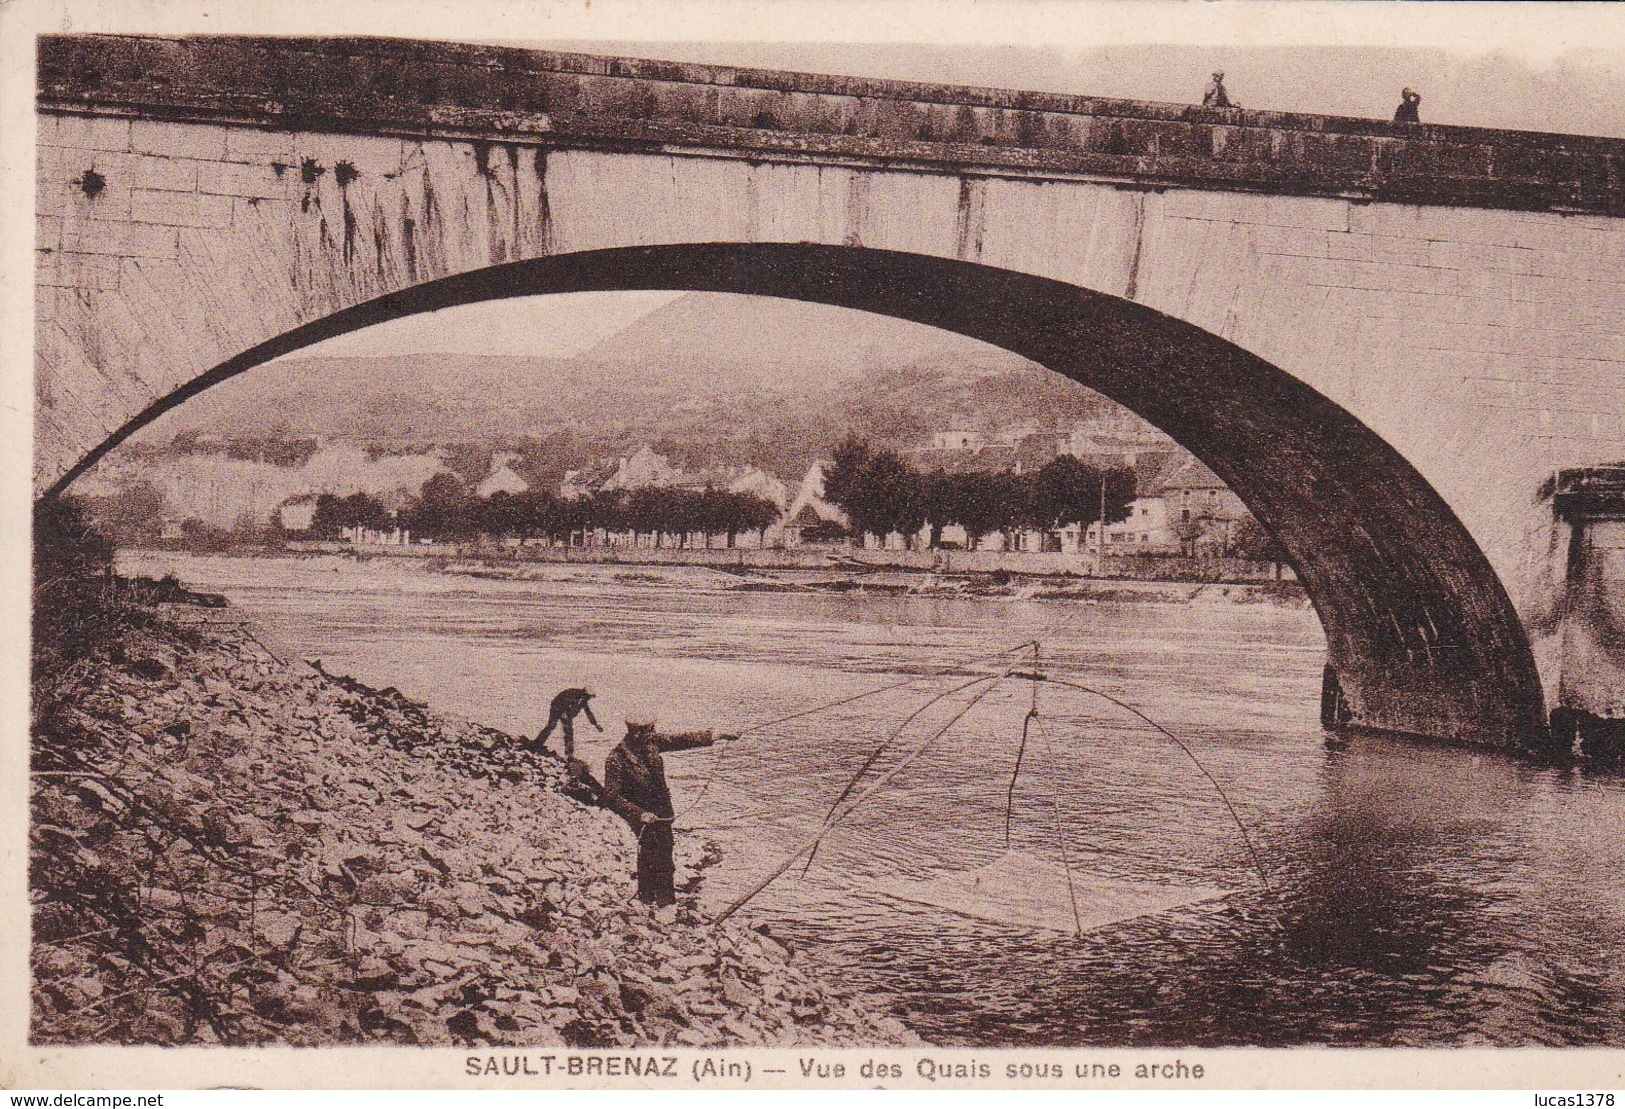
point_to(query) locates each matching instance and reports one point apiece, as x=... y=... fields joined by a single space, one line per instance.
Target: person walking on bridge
x=1409 y=104
x=1216 y=96
x=565 y=708
x=635 y=790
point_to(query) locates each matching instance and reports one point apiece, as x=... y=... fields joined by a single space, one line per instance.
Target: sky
x=555 y=326
x=1475 y=68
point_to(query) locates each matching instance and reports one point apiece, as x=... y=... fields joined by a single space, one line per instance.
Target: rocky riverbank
x=231 y=847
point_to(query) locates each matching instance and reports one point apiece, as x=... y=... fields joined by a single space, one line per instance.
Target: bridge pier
x=1591 y=689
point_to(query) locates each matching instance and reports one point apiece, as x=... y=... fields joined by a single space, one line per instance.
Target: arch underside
x=1420 y=631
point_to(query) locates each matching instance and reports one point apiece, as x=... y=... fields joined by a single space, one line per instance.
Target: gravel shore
x=229 y=847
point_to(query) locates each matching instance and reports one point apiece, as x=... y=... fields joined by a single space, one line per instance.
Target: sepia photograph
x=996 y=559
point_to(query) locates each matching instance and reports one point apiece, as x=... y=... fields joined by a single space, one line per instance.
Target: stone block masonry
x=390 y=87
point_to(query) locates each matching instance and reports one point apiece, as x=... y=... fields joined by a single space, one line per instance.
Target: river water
x=1394 y=893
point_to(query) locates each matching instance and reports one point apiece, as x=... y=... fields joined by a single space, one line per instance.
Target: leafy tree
x=334 y=514
x=1121 y=488
x=648 y=511
x=1188 y=529
x=1071 y=492
x=530 y=514
x=443 y=509
x=847 y=485
x=573 y=517
x=132 y=515
x=751 y=513
x=986 y=502
x=879 y=492
x=544 y=462
x=1065 y=491
x=611 y=511
x=898 y=496
x=472 y=461
x=939 y=493
x=499 y=514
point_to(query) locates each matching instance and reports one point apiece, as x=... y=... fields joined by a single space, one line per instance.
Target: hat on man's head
x=641 y=718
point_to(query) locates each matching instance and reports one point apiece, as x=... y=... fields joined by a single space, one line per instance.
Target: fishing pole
x=853 y=781
x=1021 y=751
x=1258 y=862
x=937 y=672
x=1060 y=830
x=875 y=787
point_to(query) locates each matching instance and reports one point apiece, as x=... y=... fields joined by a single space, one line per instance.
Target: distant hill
x=721 y=342
x=707 y=378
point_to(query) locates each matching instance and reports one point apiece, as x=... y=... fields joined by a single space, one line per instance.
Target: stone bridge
x=1402 y=345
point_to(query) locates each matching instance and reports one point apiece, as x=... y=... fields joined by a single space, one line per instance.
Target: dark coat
x=635 y=783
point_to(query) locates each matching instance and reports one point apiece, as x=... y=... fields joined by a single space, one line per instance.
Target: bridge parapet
x=485 y=93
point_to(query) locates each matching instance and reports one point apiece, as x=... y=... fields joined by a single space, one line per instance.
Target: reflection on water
x=1416 y=894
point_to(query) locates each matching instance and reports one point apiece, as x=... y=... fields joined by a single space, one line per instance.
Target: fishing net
x=1026 y=890
x=1017 y=888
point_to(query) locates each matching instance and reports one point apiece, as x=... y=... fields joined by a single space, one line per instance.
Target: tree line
x=445 y=509
x=881 y=493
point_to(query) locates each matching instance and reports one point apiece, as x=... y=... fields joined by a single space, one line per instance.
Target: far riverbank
x=853 y=571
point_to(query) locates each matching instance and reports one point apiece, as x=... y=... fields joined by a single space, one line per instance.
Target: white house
x=646 y=468
x=757 y=482
x=584 y=482
x=1115 y=432
x=958 y=439
x=808 y=508
x=1197 y=498
x=297 y=513
x=1145 y=529
x=502 y=479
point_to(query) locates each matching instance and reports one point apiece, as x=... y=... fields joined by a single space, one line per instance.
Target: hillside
x=710 y=377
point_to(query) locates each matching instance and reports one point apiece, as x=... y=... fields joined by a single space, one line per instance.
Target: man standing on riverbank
x=565 y=707
x=635 y=789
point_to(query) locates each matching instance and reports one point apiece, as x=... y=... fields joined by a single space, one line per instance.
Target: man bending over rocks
x=566 y=706
x=635 y=789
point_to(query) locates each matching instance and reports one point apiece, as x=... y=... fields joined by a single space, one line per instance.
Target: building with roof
x=756 y=482
x=297 y=514
x=502 y=478
x=647 y=468
x=1201 y=510
x=585 y=481
x=1144 y=531
x=809 y=517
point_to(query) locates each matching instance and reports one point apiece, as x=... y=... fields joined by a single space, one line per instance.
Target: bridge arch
x=1421 y=633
